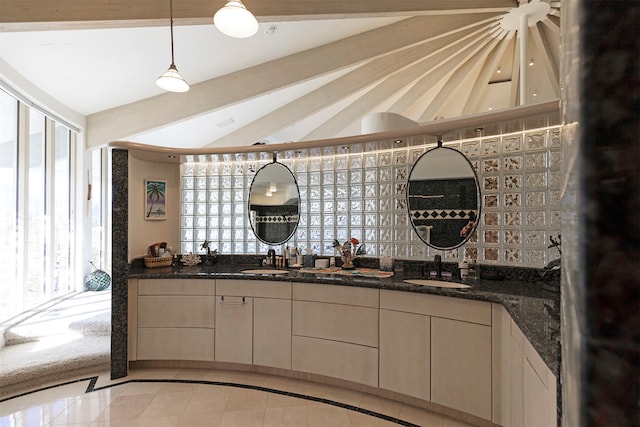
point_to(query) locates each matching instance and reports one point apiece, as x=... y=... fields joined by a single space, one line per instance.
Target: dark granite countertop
x=535 y=310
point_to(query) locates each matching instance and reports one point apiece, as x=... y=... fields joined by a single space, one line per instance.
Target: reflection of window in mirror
x=274 y=204
x=443 y=198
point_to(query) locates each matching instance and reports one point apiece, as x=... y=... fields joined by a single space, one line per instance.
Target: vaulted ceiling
x=316 y=69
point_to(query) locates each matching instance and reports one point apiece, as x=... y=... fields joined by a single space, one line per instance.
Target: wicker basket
x=153 y=262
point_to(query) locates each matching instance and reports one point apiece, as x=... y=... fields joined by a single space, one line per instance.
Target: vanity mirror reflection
x=443 y=198
x=274 y=204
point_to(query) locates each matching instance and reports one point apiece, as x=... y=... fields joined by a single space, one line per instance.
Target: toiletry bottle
x=473 y=269
x=464 y=269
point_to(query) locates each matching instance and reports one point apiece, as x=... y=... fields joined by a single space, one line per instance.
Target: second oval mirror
x=443 y=198
x=274 y=204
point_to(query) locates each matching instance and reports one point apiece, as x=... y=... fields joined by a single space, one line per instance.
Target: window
x=36 y=216
x=34 y=222
x=10 y=295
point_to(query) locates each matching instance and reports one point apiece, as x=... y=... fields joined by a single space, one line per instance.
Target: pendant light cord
x=171 y=24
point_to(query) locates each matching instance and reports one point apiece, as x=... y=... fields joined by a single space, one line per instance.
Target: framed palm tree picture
x=155 y=201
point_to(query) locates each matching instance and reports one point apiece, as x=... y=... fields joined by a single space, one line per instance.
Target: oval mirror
x=274 y=204
x=443 y=198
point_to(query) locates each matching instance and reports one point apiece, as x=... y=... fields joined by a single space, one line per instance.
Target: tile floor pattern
x=195 y=397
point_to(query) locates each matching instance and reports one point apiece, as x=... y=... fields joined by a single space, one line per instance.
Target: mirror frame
x=251 y=222
x=478 y=210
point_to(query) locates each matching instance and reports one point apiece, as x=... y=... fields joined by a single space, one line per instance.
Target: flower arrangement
x=349 y=250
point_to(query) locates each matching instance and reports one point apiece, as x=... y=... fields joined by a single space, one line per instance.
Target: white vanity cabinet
x=461 y=366
x=452 y=344
x=272 y=332
x=525 y=388
x=335 y=332
x=405 y=353
x=533 y=386
x=456 y=353
x=253 y=322
x=175 y=319
x=234 y=329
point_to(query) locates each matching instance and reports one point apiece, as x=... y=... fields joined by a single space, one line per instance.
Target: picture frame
x=155 y=199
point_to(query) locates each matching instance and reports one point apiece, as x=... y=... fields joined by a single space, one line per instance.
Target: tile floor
x=198 y=397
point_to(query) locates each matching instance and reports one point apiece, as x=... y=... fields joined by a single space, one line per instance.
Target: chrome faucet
x=271 y=257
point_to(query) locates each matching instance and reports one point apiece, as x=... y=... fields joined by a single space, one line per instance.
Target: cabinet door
x=405 y=340
x=461 y=366
x=272 y=332
x=234 y=329
x=533 y=385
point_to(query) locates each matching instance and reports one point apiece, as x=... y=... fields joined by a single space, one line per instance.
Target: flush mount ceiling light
x=235 y=20
x=171 y=80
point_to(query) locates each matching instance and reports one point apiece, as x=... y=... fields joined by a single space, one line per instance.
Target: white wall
x=142 y=232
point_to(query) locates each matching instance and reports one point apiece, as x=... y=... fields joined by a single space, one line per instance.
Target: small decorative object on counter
x=158 y=255
x=386 y=263
x=190 y=259
x=551 y=272
x=212 y=256
x=349 y=251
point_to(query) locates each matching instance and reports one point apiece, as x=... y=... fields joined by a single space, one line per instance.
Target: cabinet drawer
x=346 y=323
x=254 y=288
x=176 y=311
x=363 y=297
x=438 y=306
x=335 y=359
x=176 y=287
x=175 y=344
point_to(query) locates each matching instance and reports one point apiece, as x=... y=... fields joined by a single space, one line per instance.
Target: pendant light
x=235 y=20
x=171 y=80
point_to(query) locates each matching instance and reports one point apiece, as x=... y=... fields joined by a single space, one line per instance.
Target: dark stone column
x=119 y=264
x=601 y=213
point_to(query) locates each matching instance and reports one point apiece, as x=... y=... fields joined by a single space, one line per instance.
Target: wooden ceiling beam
x=385 y=89
x=548 y=59
x=441 y=70
x=488 y=70
x=457 y=75
x=367 y=74
x=35 y=15
x=131 y=119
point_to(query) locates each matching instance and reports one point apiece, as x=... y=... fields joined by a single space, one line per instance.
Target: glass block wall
x=359 y=191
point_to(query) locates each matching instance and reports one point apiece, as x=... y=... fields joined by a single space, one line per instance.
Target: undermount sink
x=437 y=283
x=265 y=271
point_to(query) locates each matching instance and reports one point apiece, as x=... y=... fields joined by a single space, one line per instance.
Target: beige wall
x=142 y=232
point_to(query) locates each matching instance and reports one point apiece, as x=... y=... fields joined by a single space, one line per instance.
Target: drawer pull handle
x=232 y=302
